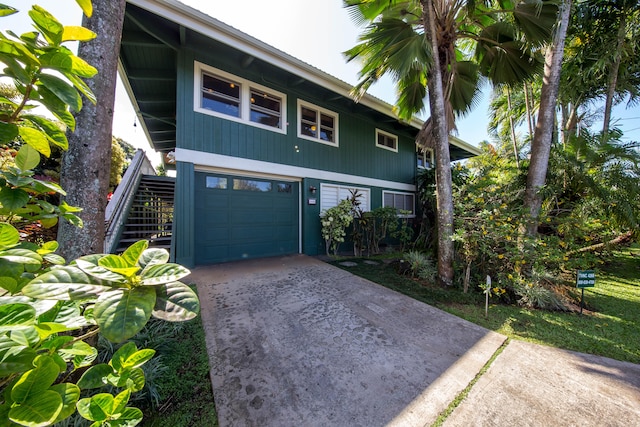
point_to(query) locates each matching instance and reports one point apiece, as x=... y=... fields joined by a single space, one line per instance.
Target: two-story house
x=262 y=142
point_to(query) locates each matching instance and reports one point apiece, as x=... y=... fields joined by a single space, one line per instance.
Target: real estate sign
x=586 y=279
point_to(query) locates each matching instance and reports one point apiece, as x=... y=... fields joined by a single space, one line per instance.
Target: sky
x=316 y=32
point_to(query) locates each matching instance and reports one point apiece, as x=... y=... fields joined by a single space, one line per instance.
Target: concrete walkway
x=294 y=341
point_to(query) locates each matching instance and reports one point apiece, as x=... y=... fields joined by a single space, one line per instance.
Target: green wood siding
x=357 y=153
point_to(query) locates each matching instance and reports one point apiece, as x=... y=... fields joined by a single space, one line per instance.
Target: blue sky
x=316 y=32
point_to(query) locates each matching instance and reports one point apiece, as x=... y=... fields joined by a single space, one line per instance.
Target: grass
x=609 y=328
x=187 y=396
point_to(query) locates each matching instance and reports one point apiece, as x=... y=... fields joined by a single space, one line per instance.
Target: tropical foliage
x=51 y=313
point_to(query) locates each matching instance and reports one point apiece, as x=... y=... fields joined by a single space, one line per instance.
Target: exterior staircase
x=150 y=216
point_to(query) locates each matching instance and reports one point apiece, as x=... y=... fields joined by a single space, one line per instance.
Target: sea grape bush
x=51 y=313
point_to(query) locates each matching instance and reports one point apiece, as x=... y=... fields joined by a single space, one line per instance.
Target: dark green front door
x=241 y=217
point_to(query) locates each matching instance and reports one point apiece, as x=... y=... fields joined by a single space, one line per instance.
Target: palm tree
x=447 y=46
x=543 y=134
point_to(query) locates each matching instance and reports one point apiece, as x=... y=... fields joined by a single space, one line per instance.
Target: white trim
x=245 y=95
x=413 y=208
x=389 y=135
x=202 y=161
x=336 y=141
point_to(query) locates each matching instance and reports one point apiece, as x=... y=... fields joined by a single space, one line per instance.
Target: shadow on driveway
x=294 y=341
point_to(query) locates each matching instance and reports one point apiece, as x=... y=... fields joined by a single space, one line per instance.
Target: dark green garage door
x=239 y=217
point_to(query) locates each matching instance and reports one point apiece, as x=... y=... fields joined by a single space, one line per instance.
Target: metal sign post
x=585 y=279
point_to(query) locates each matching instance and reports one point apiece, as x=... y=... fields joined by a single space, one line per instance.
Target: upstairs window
x=317 y=124
x=386 y=140
x=230 y=97
x=425 y=158
x=220 y=95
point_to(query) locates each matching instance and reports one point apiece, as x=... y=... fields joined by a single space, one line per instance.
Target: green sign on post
x=586 y=279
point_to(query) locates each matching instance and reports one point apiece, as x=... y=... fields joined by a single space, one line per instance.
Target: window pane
x=265 y=109
x=220 y=95
x=309 y=122
x=327 y=127
x=251 y=185
x=388 y=200
x=284 y=188
x=216 y=182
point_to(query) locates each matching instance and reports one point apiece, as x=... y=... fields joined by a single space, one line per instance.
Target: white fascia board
x=243 y=166
x=217 y=30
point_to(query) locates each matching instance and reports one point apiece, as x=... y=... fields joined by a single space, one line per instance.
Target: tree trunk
x=86 y=165
x=514 y=140
x=529 y=108
x=543 y=135
x=613 y=76
x=444 y=197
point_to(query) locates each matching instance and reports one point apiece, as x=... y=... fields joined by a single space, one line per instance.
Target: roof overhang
x=159 y=125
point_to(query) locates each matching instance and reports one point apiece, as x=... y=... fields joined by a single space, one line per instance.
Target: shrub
x=420 y=265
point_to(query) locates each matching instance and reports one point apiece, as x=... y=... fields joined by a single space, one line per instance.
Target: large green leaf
x=96 y=408
x=135 y=381
x=9 y=283
x=51 y=129
x=121 y=355
x=16 y=360
x=76 y=33
x=95 y=376
x=64 y=283
x=120 y=401
x=86 y=6
x=99 y=272
x=22 y=256
x=36 y=138
x=8 y=131
x=28 y=158
x=122 y=313
x=66 y=61
x=176 y=302
x=133 y=252
x=41 y=409
x=119 y=265
x=69 y=393
x=65 y=92
x=48 y=24
x=7 y=10
x=138 y=358
x=163 y=273
x=15 y=316
x=36 y=380
x=46 y=329
x=153 y=256
x=13 y=199
x=9 y=236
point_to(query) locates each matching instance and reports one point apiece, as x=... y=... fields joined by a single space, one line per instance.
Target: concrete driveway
x=294 y=341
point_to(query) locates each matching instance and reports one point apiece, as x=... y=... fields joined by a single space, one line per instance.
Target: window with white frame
x=218 y=93
x=400 y=201
x=386 y=140
x=317 y=124
x=331 y=195
x=425 y=158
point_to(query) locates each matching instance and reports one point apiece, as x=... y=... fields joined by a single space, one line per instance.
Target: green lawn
x=609 y=328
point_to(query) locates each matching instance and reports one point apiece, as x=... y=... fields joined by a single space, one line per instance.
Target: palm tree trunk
x=529 y=108
x=543 y=135
x=86 y=165
x=440 y=137
x=613 y=76
x=513 y=129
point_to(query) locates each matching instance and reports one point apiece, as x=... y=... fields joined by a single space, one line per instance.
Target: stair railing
x=122 y=199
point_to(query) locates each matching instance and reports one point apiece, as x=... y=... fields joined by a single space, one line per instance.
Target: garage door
x=240 y=217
